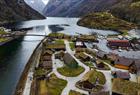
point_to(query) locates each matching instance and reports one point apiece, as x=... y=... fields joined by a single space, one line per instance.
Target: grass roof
x=81 y=54
x=51 y=46
x=72 y=92
x=55 y=85
x=125 y=87
x=92 y=75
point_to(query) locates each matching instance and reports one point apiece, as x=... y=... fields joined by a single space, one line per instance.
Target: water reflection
x=13 y=58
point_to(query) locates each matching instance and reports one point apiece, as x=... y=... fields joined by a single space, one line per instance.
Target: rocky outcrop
x=16 y=10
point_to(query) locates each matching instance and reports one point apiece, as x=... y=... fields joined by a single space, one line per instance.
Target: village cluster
x=68 y=67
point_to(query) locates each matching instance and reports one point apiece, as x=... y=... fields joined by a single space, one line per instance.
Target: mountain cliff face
x=36 y=4
x=125 y=9
x=129 y=11
x=16 y=10
x=75 y=8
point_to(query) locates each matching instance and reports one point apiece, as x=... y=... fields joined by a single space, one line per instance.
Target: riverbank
x=9 y=35
x=10 y=39
x=21 y=84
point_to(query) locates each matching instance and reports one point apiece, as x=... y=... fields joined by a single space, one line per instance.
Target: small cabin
x=84 y=57
x=123 y=63
x=101 y=54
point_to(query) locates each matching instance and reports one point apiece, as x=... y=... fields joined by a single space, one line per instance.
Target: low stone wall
x=21 y=84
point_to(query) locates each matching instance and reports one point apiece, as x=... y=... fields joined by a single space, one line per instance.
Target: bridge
x=27 y=35
x=33 y=35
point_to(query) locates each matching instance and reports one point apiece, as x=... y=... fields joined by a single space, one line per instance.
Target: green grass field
x=70 y=72
x=72 y=45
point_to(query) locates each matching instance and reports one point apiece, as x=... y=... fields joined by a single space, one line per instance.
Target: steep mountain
x=16 y=10
x=130 y=11
x=36 y=4
x=124 y=9
x=76 y=8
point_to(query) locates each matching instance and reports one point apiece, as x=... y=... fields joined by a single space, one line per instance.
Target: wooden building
x=121 y=75
x=135 y=67
x=101 y=54
x=60 y=55
x=70 y=61
x=112 y=56
x=86 y=85
x=100 y=64
x=87 y=38
x=123 y=63
x=56 y=47
x=124 y=87
x=46 y=64
x=114 y=44
x=84 y=57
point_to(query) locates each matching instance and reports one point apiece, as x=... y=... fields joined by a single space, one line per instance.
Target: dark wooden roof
x=124 y=61
x=137 y=64
x=101 y=54
x=46 y=58
x=47 y=64
x=68 y=58
x=123 y=75
x=48 y=52
x=87 y=84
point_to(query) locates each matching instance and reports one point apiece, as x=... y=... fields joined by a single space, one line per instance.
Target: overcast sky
x=45 y=1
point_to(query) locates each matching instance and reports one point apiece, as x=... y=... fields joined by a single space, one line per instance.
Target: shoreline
x=23 y=78
x=12 y=39
x=9 y=40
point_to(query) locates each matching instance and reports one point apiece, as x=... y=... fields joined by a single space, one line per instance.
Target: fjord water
x=13 y=58
x=15 y=55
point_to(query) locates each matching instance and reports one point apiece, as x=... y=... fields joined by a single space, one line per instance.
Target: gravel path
x=71 y=80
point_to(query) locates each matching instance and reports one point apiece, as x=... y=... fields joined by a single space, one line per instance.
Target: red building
x=119 y=43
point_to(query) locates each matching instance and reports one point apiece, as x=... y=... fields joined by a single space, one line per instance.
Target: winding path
x=71 y=80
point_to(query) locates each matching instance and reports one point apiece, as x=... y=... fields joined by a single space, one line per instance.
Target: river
x=14 y=56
